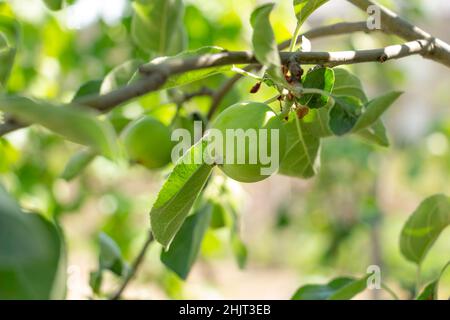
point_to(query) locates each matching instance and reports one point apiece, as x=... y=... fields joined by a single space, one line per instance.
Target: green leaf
x=186 y=245
x=7 y=56
x=191 y=76
x=9 y=41
x=110 y=257
x=317 y=122
x=95 y=281
x=32 y=259
x=77 y=163
x=320 y=78
x=178 y=194
x=375 y=134
x=54 y=5
x=424 y=226
x=218 y=215
x=338 y=289
x=239 y=250
x=344 y=114
x=157 y=26
x=304 y=8
x=73 y=122
x=347 y=84
x=374 y=109
x=302 y=159
x=264 y=44
x=120 y=75
x=91 y=87
x=430 y=292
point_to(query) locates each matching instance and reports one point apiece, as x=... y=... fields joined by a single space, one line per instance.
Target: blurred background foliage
x=296 y=232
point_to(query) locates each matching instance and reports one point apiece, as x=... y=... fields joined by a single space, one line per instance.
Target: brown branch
x=155 y=75
x=134 y=268
x=391 y=22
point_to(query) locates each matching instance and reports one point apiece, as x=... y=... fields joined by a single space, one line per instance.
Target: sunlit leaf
x=263 y=40
x=157 y=26
x=430 y=292
x=177 y=195
x=186 y=245
x=424 y=226
x=302 y=157
x=9 y=41
x=304 y=8
x=32 y=259
x=73 y=122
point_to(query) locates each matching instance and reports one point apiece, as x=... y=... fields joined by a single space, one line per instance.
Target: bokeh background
x=296 y=232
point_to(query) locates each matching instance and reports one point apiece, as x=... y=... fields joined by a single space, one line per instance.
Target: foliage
x=52 y=79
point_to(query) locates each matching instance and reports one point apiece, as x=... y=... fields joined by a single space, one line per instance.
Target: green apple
x=147 y=142
x=249 y=115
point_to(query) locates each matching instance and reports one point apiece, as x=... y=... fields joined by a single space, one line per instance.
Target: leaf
x=344 y=114
x=9 y=41
x=120 y=76
x=218 y=215
x=302 y=159
x=7 y=56
x=375 y=134
x=321 y=78
x=54 y=5
x=239 y=250
x=91 y=87
x=317 y=122
x=263 y=40
x=424 y=226
x=430 y=292
x=304 y=8
x=32 y=259
x=178 y=194
x=338 y=289
x=110 y=257
x=73 y=122
x=190 y=76
x=157 y=26
x=186 y=245
x=77 y=163
x=347 y=84
x=374 y=109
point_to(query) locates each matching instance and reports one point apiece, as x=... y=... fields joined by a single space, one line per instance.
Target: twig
x=320 y=32
x=391 y=22
x=134 y=268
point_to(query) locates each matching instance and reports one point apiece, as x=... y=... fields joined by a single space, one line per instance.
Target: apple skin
x=249 y=115
x=147 y=142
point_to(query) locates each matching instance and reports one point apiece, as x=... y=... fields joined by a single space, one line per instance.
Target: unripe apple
x=250 y=115
x=147 y=142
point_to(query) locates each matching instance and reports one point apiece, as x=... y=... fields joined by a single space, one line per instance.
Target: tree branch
x=391 y=22
x=136 y=264
x=155 y=75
